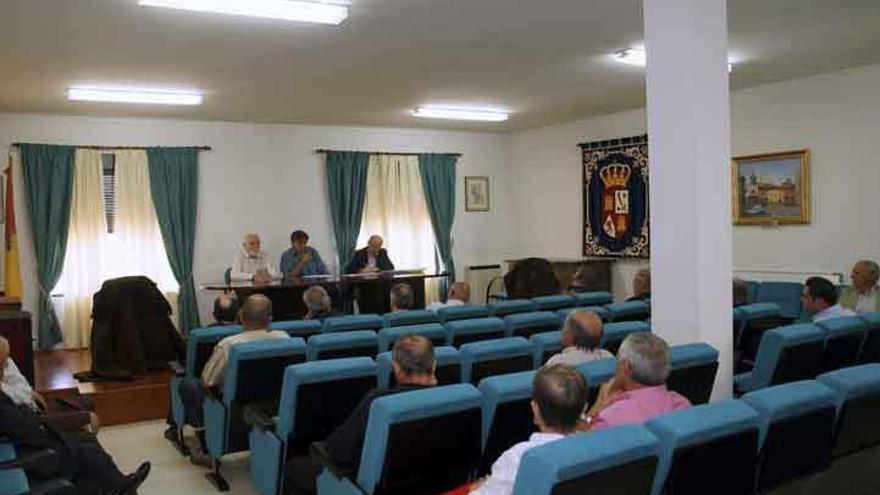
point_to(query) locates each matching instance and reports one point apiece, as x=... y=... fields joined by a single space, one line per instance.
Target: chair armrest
x=54 y=487
x=320 y=457
x=257 y=417
x=43 y=463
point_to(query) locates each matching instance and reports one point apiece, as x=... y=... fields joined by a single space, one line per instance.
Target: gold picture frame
x=772 y=188
x=476 y=193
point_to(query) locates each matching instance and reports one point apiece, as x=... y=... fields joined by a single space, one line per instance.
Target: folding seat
x=843 y=341
x=423 y=441
x=410 y=317
x=710 y=448
x=528 y=324
x=596 y=373
x=316 y=397
x=254 y=375
x=495 y=357
x=555 y=302
x=797 y=430
x=613 y=334
x=616 y=461
x=465 y=312
x=592 y=298
x=298 y=328
x=507 y=415
x=629 y=311
x=870 y=352
x=349 y=323
x=465 y=331
x=693 y=369
x=343 y=344
x=435 y=332
x=857 y=396
x=545 y=346
x=752 y=320
x=786 y=294
x=599 y=311
x=448 y=370
x=786 y=354
x=512 y=306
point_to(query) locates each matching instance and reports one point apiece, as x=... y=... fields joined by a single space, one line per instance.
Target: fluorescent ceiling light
x=131 y=95
x=637 y=56
x=318 y=11
x=461 y=114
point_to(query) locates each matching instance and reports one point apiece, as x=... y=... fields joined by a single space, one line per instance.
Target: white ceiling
x=545 y=60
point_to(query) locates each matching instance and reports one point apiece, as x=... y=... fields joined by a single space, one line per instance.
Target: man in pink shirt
x=638 y=391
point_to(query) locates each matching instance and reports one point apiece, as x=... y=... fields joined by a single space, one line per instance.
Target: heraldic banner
x=616 y=197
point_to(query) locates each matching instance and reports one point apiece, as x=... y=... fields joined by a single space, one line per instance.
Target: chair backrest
x=555 y=302
x=546 y=345
x=615 y=461
x=343 y=344
x=629 y=311
x=870 y=352
x=200 y=345
x=495 y=357
x=614 y=333
x=753 y=320
x=318 y=396
x=797 y=427
x=600 y=311
x=857 y=396
x=410 y=317
x=596 y=373
x=348 y=323
x=435 y=332
x=693 y=369
x=13 y=481
x=512 y=306
x=752 y=290
x=448 y=370
x=465 y=331
x=298 y=328
x=528 y=324
x=593 y=298
x=711 y=448
x=786 y=294
x=464 y=312
x=843 y=341
x=787 y=354
x=507 y=415
x=424 y=441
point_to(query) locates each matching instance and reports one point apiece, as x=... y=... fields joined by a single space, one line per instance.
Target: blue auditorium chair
x=13 y=473
x=555 y=302
x=13 y=481
x=546 y=345
x=693 y=369
x=629 y=311
x=752 y=320
x=599 y=311
x=316 y=397
x=786 y=294
x=752 y=287
x=711 y=448
x=495 y=357
x=435 y=332
x=343 y=344
x=786 y=354
x=870 y=352
x=843 y=341
x=465 y=312
x=857 y=397
x=507 y=414
x=597 y=373
x=410 y=317
x=797 y=430
x=512 y=306
x=528 y=324
x=298 y=328
x=254 y=375
x=593 y=298
x=448 y=370
x=349 y=323
x=424 y=441
x=465 y=331
x=613 y=334
x=615 y=461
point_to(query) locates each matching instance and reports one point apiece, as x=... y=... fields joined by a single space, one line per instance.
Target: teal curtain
x=347 y=188
x=48 y=185
x=174 y=174
x=438 y=181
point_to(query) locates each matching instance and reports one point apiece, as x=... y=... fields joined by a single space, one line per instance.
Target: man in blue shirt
x=301 y=260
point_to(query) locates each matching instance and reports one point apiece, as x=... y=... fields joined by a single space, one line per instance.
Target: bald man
x=580 y=339
x=864 y=294
x=371 y=259
x=251 y=263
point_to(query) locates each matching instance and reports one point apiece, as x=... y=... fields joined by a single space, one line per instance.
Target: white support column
x=689 y=150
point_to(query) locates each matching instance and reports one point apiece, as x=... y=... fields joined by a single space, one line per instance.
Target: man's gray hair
x=317 y=292
x=401 y=296
x=873 y=269
x=648 y=355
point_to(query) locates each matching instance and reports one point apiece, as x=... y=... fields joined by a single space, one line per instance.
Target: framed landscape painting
x=772 y=189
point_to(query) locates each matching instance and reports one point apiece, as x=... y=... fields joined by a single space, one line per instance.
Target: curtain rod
x=392 y=153
x=94 y=147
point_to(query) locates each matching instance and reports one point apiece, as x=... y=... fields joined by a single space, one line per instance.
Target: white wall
x=835 y=115
x=268 y=179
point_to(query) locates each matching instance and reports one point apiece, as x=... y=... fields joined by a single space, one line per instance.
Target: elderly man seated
x=370 y=259
x=581 y=335
x=864 y=295
x=638 y=391
x=251 y=263
x=820 y=300
x=318 y=303
x=459 y=295
x=641 y=285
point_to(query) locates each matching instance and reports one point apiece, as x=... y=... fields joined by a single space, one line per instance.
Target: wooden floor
x=142 y=399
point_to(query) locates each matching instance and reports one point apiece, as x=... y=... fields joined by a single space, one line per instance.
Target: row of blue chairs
x=14 y=480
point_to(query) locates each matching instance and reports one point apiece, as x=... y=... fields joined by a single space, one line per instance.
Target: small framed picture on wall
x=476 y=193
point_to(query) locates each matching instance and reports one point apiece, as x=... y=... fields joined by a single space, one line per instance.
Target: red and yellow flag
x=13 y=275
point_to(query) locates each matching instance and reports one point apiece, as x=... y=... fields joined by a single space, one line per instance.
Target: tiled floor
x=171 y=474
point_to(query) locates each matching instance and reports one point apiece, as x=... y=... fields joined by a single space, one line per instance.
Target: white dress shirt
x=16 y=386
x=835 y=311
x=503 y=476
x=437 y=305
x=574 y=356
x=867 y=300
x=215 y=369
x=245 y=265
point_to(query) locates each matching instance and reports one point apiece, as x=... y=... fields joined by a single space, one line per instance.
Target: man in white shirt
x=581 y=335
x=559 y=396
x=252 y=264
x=864 y=295
x=459 y=295
x=820 y=300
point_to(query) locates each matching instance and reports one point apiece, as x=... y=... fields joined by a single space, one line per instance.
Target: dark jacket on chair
x=361 y=258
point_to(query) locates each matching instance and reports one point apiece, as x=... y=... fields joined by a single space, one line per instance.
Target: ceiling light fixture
x=637 y=56
x=483 y=115
x=317 y=11
x=132 y=95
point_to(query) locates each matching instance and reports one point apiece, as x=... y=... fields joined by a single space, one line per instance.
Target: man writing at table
x=371 y=258
x=251 y=263
x=302 y=260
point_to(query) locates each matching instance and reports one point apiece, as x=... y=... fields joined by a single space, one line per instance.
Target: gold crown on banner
x=615 y=175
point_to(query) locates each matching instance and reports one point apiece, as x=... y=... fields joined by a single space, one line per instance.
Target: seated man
x=864 y=295
x=581 y=335
x=370 y=259
x=740 y=292
x=579 y=280
x=641 y=285
x=302 y=260
x=638 y=391
x=318 y=302
x=225 y=310
x=252 y=264
x=459 y=295
x=401 y=297
x=413 y=365
x=820 y=300
x=559 y=396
